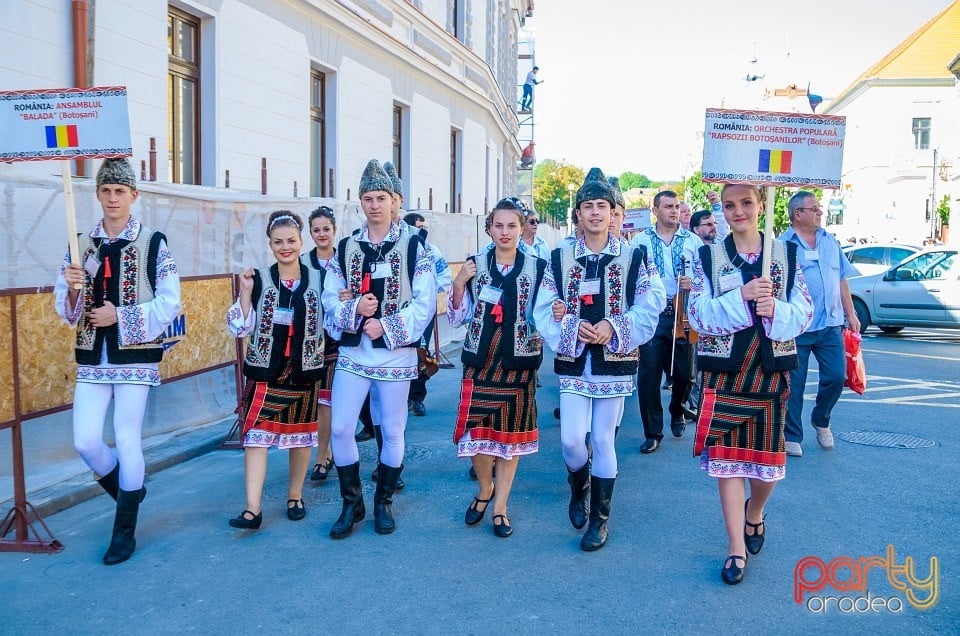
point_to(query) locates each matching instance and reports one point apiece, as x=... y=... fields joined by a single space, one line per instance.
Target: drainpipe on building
x=80 y=15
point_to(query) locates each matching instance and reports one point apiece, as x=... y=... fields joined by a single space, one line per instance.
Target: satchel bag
x=426 y=364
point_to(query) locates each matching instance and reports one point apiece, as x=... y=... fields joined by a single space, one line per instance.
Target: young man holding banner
x=121 y=296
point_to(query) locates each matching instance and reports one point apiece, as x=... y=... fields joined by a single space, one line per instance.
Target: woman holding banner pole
x=747 y=317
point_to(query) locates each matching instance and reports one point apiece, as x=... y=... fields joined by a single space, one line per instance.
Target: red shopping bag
x=856 y=372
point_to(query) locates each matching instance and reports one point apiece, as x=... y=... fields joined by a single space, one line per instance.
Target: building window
x=398 y=139
x=454 y=170
x=183 y=97
x=456 y=19
x=318 y=134
x=921 y=133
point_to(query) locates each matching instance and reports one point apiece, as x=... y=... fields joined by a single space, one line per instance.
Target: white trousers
x=90 y=402
x=388 y=407
x=599 y=416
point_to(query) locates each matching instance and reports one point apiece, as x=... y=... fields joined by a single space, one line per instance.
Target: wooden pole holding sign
x=71 y=217
x=768 y=230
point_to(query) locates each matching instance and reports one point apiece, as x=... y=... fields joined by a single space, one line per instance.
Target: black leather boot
x=123 y=543
x=111 y=483
x=383 y=521
x=579 y=491
x=353 y=510
x=601 y=490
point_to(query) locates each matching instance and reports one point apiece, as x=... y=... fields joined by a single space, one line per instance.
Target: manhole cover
x=886 y=439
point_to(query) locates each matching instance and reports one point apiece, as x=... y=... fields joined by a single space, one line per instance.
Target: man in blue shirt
x=826 y=269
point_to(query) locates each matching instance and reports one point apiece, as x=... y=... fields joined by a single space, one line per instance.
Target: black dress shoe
x=247 y=523
x=677 y=426
x=650 y=445
x=417 y=408
x=503 y=529
x=297 y=511
x=753 y=541
x=733 y=574
x=364 y=435
x=474 y=514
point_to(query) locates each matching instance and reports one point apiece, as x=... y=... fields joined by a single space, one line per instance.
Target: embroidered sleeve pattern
x=621 y=334
x=570 y=344
x=236 y=323
x=166 y=266
x=132 y=325
x=395 y=333
x=456 y=316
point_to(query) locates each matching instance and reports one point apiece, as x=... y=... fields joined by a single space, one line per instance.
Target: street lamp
x=556 y=212
x=570 y=188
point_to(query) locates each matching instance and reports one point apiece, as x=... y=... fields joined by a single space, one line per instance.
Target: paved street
x=659 y=572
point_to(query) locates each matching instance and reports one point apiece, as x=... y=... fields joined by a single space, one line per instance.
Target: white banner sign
x=773 y=149
x=636 y=219
x=64 y=123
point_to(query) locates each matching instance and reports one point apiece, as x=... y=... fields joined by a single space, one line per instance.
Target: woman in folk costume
x=494 y=294
x=392 y=286
x=747 y=323
x=323 y=231
x=612 y=302
x=280 y=309
x=122 y=296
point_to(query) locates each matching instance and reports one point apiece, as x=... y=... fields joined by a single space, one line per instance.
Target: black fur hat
x=595 y=186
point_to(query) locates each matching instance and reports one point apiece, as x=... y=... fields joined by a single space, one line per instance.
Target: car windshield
x=927 y=266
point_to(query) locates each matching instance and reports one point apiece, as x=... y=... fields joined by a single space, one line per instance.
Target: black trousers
x=654 y=361
x=418 y=387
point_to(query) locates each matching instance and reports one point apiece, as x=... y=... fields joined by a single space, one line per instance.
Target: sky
x=626 y=82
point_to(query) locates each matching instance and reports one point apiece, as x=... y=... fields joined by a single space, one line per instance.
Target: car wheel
x=863 y=315
x=887 y=329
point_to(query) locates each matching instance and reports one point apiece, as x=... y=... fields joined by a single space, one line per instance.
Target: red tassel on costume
x=497 y=312
x=107 y=274
x=286 y=352
x=586 y=300
x=365 y=284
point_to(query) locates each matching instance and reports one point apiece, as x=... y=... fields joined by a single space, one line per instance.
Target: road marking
x=911 y=355
x=906 y=398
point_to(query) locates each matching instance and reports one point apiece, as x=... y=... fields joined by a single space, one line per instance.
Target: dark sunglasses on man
x=533 y=221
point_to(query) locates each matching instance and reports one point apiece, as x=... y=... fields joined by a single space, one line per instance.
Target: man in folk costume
x=674 y=252
x=612 y=300
x=129 y=293
x=393 y=286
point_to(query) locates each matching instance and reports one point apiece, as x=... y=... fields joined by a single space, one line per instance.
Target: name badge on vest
x=282 y=316
x=811 y=255
x=91 y=266
x=379 y=271
x=730 y=281
x=590 y=287
x=490 y=294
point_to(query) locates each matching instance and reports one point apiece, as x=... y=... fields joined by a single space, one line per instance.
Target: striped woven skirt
x=331 y=351
x=498 y=409
x=279 y=413
x=740 y=425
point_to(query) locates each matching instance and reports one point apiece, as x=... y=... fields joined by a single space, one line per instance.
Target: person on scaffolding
x=527 y=100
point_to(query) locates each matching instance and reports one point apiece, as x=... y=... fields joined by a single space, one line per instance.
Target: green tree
x=694 y=190
x=943 y=210
x=630 y=180
x=551 y=181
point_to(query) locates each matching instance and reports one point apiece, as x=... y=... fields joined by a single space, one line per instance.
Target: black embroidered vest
x=618 y=283
x=520 y=346
x=133 y=267
x=726 y=353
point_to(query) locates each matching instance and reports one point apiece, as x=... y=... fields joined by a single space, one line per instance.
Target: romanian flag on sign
x=776 y=161
x=62 y=137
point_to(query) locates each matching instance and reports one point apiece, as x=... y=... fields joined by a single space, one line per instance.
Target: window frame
x=318 y=115
x=180 y=68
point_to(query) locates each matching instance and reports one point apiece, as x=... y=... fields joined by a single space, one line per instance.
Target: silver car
x=922 y=291
x=872 y=258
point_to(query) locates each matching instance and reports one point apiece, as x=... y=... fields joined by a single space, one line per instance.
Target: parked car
x=922 y=291
x=874 y=258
